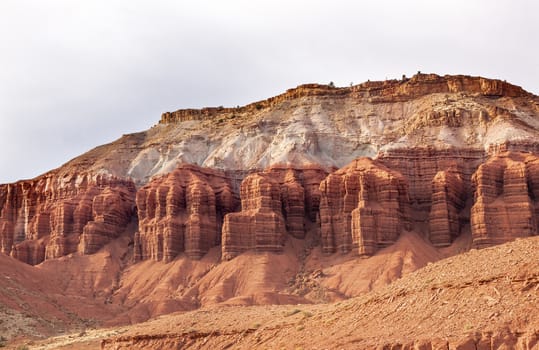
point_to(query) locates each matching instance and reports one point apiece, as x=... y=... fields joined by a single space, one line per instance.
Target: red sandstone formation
x=52 y=216
x=444 y=109
x=182 y=212
x=505 y=195
x=363 y=206
x=260 y=225
x=274 y=203
x=420 y=166
x=447 y=201
x=111 y=212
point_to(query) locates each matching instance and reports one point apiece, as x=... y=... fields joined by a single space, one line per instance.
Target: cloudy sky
x=77 y=74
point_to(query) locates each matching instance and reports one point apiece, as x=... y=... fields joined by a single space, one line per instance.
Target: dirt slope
x=486 y=299
x=77 y=292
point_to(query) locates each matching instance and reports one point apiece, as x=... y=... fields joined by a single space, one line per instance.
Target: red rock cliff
x=448 y=199
x=420 y=166
x=52 y=216
x=182 y=212
x=274 y=203
x=505 y=206
x=364 y=206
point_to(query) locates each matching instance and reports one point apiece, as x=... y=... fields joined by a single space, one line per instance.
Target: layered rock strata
x=52 y=216
x=321 y=124
x=112 y=210
x=274 y=203
x=182 y=212
x=505 y=205
x=433 y=130
x=361 y=207
x=364 y=207
x=420 y=165
x=373 y=91
x=260 y=225
x=448 y=199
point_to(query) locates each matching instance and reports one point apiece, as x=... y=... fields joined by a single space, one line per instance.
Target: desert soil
x=485 y=298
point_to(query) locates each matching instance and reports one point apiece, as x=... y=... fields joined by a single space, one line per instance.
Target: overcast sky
x=77 y=74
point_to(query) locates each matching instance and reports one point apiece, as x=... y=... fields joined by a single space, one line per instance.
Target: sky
x=78 y=74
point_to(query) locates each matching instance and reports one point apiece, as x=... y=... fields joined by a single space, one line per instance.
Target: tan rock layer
x=53 y=216
x=375 y=92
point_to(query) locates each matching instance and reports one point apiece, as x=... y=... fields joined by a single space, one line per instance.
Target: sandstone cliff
x=505 y=199
x=448 y=199
x=182 y=212
x=364 y=206
x=53 y=216
x=439 y=186
x=376 y=92
x=152 y=223
x=274 y=203
x=431 y=132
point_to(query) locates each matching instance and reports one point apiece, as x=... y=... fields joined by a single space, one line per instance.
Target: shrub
x=292 y=312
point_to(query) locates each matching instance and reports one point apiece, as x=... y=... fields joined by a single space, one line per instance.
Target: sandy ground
x=479 y=297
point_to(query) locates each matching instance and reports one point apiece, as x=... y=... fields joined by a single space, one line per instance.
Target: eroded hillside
x=482 y=299
x=316 y=195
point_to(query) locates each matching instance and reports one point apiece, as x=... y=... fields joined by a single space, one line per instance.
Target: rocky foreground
x=482 y=299
x=316 y=195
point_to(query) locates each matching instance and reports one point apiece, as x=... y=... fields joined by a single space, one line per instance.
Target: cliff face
x=53 y=216
x=277 y=201
x=375 y=92
x=439 y=145
x=439 y=186
x=505 y=199
x=364 y=206
x=448 y=199
x=182 y=212
x=274 y=203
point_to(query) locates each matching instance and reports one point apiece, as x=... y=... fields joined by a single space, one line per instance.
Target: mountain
x=319 y=194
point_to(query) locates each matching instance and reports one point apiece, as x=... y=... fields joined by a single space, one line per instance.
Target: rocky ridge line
x=374 y=92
